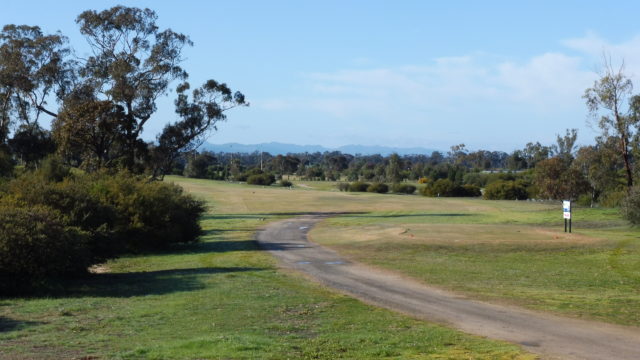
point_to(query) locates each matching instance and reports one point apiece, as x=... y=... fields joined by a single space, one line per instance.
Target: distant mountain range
x=275 y=148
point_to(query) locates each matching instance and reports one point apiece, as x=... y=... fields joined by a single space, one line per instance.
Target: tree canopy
x=106 y=99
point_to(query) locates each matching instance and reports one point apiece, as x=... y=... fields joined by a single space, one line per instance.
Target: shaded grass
x=221 y=298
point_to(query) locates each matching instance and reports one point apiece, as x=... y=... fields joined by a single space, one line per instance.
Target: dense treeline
x=590 y=174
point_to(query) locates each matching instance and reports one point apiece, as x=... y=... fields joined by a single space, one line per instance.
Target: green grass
x=514 y=253
x=221 y=298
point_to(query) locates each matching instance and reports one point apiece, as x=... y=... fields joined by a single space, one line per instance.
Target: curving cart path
x=547 y=335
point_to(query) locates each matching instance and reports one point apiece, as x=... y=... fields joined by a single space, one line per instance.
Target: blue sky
x=492 y=74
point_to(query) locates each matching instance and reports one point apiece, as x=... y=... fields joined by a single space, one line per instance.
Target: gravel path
x=548 y=335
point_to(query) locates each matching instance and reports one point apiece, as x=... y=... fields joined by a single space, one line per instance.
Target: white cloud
x=460 y=97
x=593 y=47
x=548 y=80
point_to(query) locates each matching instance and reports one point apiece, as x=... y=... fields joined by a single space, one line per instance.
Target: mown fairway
x=503 y=251
x=224 y=298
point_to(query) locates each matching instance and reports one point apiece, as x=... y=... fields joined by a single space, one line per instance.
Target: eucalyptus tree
x=132 y=63
x=34 y=69
x=610 y=99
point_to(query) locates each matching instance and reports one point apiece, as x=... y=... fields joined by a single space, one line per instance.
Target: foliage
x=36 y=243
x=84 y=219
x=31 y=143
x=471 y=190
x=423 y=180
x=394 y=168
x=379 y=188
x=246 y=174
x=286 y=183
x=555 y=179
x=446 y=188
x=107 y=98
x=631 y=206
x=403 y=188
x=261 y=179
x=198 y=165
x=33 y=68
x=6 y=164
x=343 y=186
x=358 y=186
x=52 y=169
x=506 y=190
x=612 y=199
x=155 y=214
x=610 y=93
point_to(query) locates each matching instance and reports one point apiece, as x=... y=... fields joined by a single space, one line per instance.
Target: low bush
x=244 y=176
x=506 y=190
x=446 y=188
x=343 y=186
x=440 y=187
x=469 y=190
x=359 y=186
x=286 y=183
x=403 y=188
x=631 y=206
x=261 y=179
x=86 y=219
x=613 y=198
x=36 y=243
x=6 y=164
x=379 y=188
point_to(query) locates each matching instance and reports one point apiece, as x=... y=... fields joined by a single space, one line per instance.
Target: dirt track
x=547 y=335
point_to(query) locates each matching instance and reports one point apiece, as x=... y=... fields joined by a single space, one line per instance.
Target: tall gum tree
x=610 y=99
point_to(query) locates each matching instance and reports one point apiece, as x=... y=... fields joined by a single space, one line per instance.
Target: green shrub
x=403 y=188
x=120 y=211
x=73 y=198
x=440 y=187
x=35 y=244
x=446 y=188
x=469 y=190
x=584 y=200
x=50 y=229
x=286 y=183
x=151 y=215
x=6 y=164
x=506 y=190
x=379 y=188
x=631 y=206
x=613 y=198
x=261 y=179
x=253 y=171
x=343 y=186
x=53 y=169
x=359 y=186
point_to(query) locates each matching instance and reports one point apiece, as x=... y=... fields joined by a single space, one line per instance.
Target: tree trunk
x=627 y=164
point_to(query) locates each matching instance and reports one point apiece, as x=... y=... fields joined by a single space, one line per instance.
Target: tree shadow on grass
x=370 y=215
x=143 y=283
x=7 y=324
x=268 y=214
x=218 y=246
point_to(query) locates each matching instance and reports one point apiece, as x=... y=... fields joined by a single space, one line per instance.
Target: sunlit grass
x=221 y=298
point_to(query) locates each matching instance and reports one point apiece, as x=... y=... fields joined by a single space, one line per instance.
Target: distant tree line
x=591 y=174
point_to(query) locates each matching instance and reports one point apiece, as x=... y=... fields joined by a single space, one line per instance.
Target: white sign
x=566 y=209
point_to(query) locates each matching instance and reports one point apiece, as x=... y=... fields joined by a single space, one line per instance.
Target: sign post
x=566 y=214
